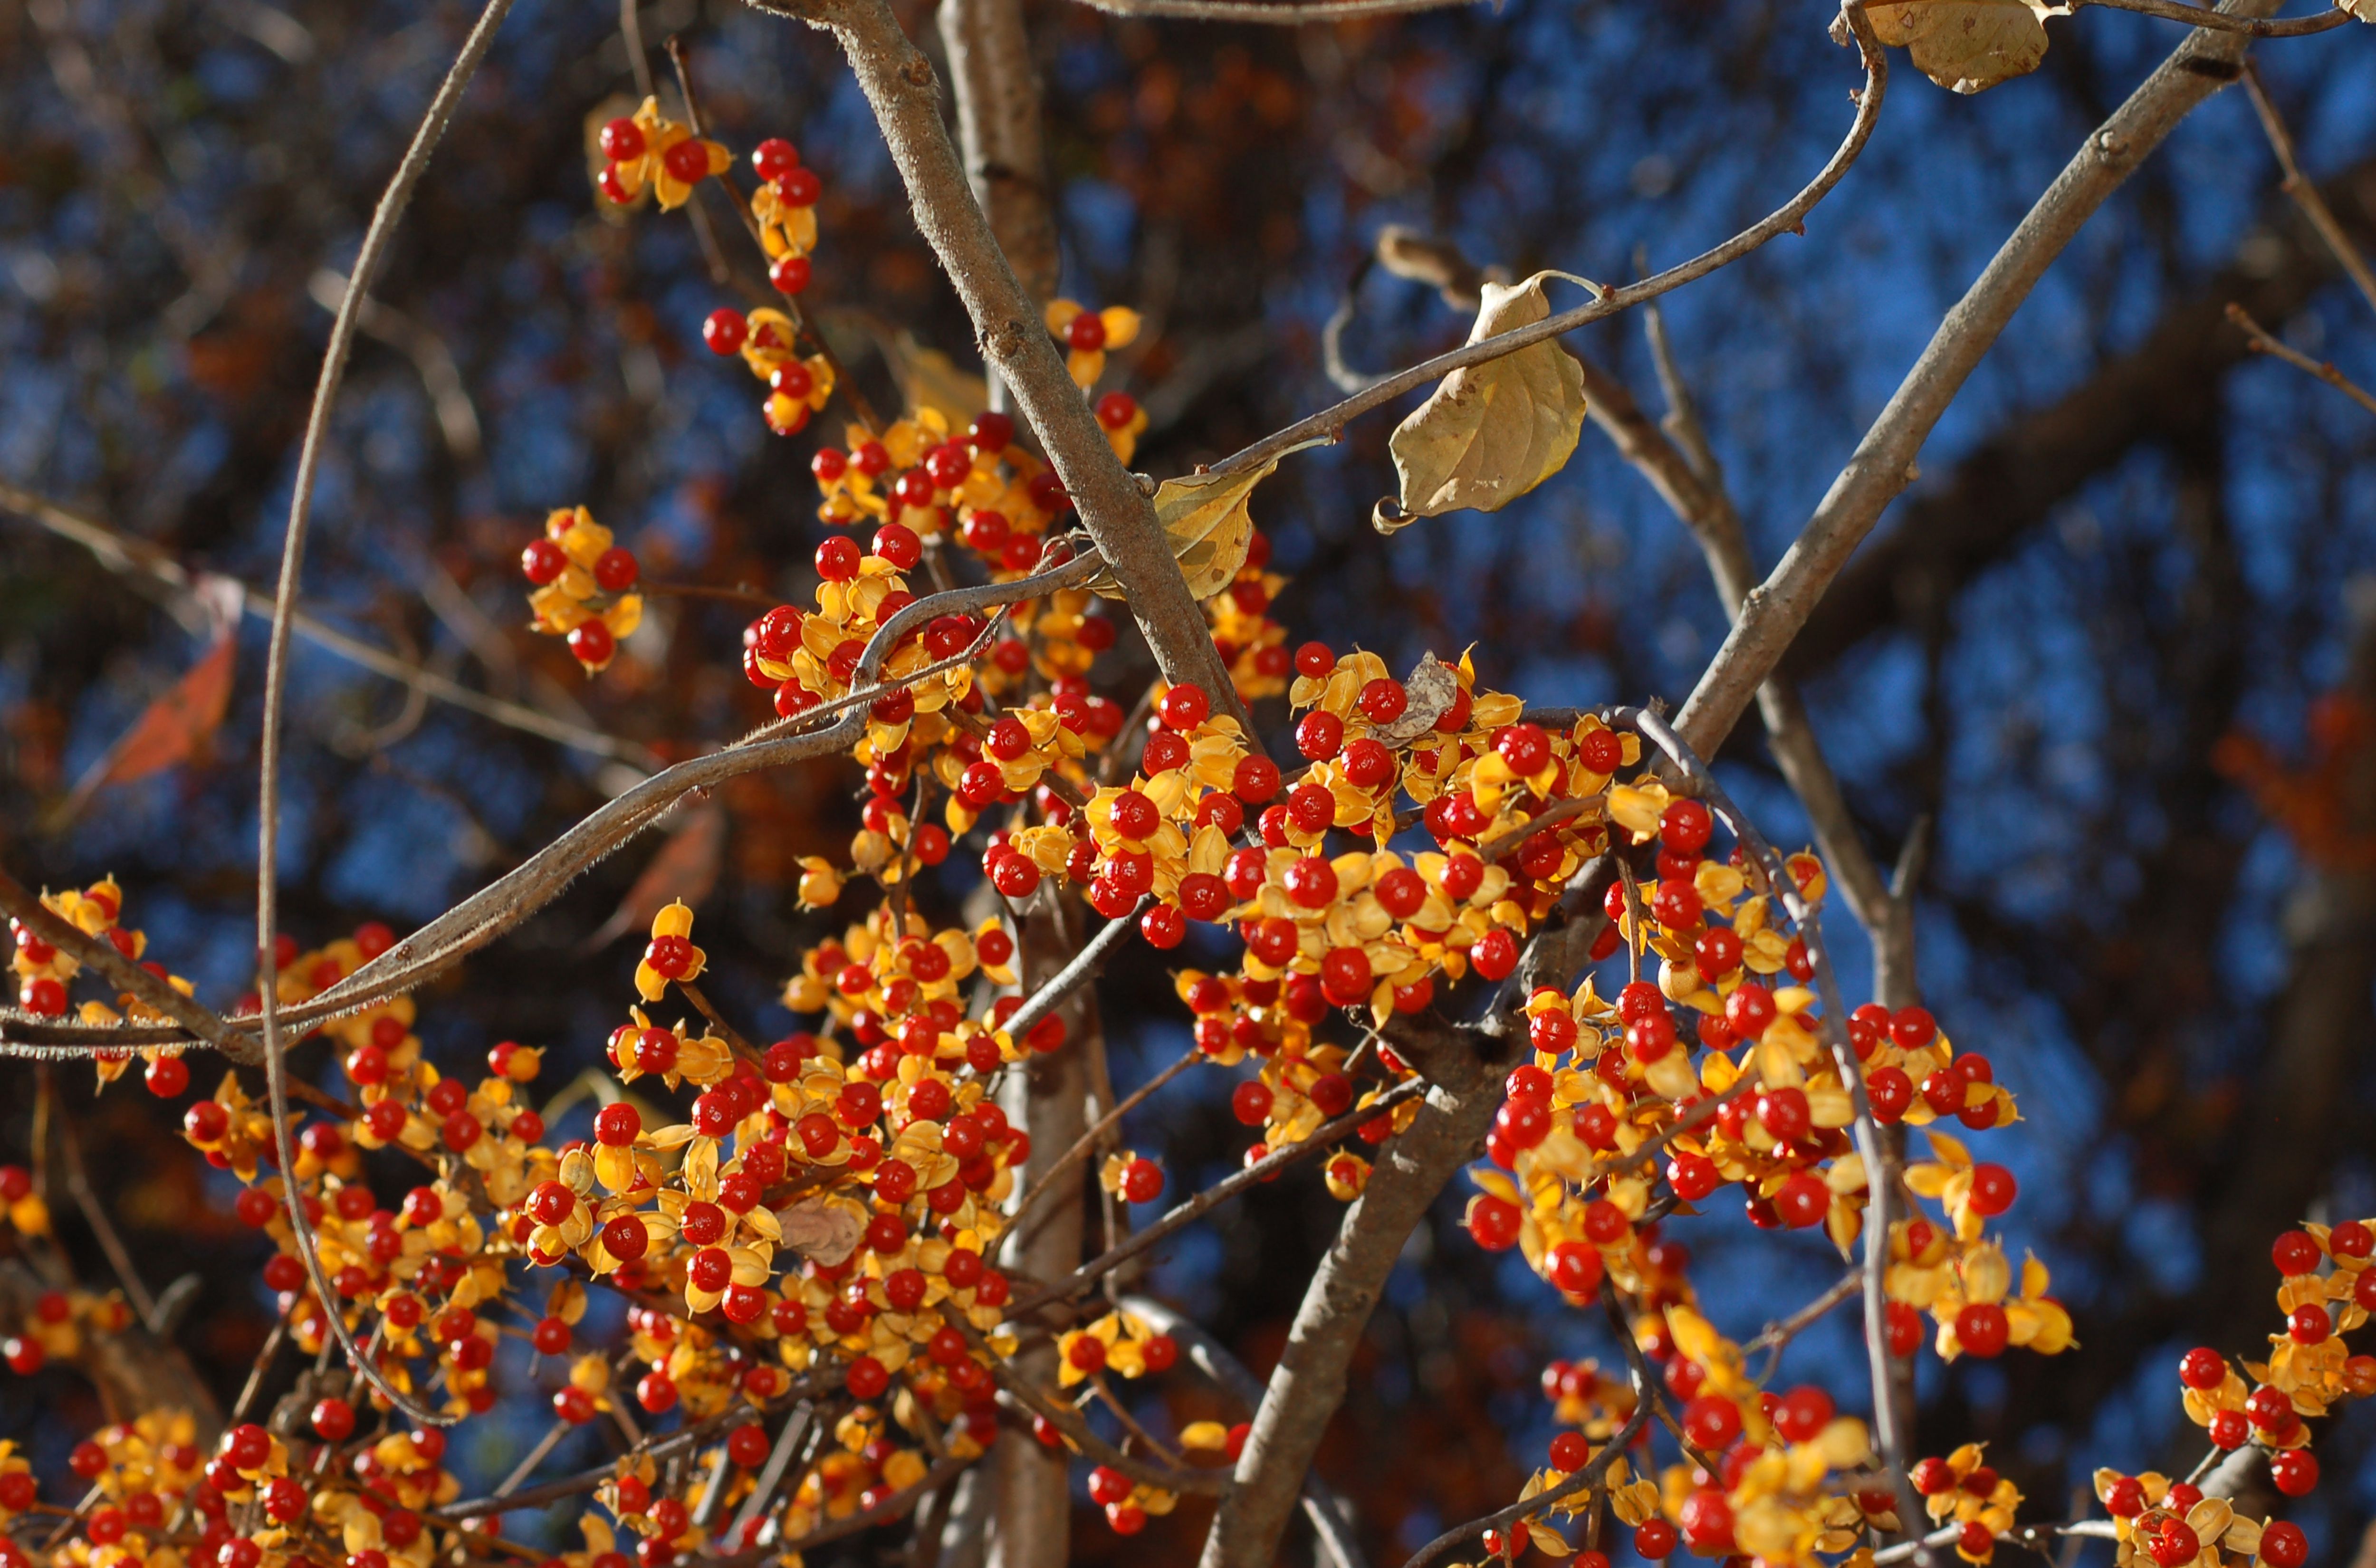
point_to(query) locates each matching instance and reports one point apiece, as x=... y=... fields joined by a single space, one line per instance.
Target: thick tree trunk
x=1031 y=1504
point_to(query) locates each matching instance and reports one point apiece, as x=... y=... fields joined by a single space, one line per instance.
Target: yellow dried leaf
x=1968 y=45
x=1490 y=433
x=1205 y=519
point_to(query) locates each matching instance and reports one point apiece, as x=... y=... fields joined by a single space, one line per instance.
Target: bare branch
x=899 y=84
x=2304 y=191
x=1329 y=1512
x=1084 y=966
x=1104 y=1124
x=2265 y=342
x=1780 y=1333
x=1880 y=1165
x=1883 y=464
x=1309 y=1382
x=276 y=678
x=997 y=94
x=1681 y=465
x=1329 y=423
x=1212 y=1197
x=2217 y=21
x=1285 y=13
x=101 y=954
x=1066 y=1419
x=505 y=903
x=1638 y=1371
x=124 y=552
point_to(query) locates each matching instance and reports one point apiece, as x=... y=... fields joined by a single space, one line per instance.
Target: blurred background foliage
x=2111 y=644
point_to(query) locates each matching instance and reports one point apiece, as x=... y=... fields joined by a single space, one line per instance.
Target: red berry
x=1711 y=1421
x=592 y=644
x=623 y=140
x=1574 y=1268
x=1981 y=1328
x=2202 y=1368
x=1993 y=1189
x=2295 y=1252
x=1085 y=333
x=725 y=332
x=2294 y=1471
x=166 y=1077
x=800 y=187
x=2174 y=1544
x=1802 y=1200
x=2282 y=1545
x=688 y=160
x=774 y=159
x=789 y=275
x=1493 y=1222
x=1685 y=827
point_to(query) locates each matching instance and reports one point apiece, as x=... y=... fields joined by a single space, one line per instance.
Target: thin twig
x=2263 y=342
x=2303 y=190
x=1084 y=967
x=1089 y=1140
x=1281 y=15
x=503 y=904
x=1638 y=1370
x=100 y=954
x=94 y=1214
x=1883 y=462
x=276 y=678
x=630 y=33
x=1775 y=1335
x=533 y=1457
x=2172 y=11
x=771 y=1475
x=901 y=87
x=859 y=1522
x=1880 y=1178
x=1222 y=1192
x=1066 y=1419
x=1329 y=422
x=124 y=552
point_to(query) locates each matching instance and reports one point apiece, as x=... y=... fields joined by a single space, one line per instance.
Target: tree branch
x=899 y=84
x=2173 y=11
x=2009 y=482
x=124 y=552
x=1329 y=423
x=1645 y=1390
x=1286 y=14
x=509 y=901
x=2265 y=342
x=1329 y=1512
x=62 y=934
x=385 y=217
x=1884 y=463
x=1309 y=1382
x=2304 y=192
x=997 y=92
x=1193 y=1209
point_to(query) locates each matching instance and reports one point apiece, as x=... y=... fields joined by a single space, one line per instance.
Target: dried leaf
x=172 y=727
x=1431 y=689
x=821 y=1230
x=1968 y=45
x=1490 y=433
x=1204 y=517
